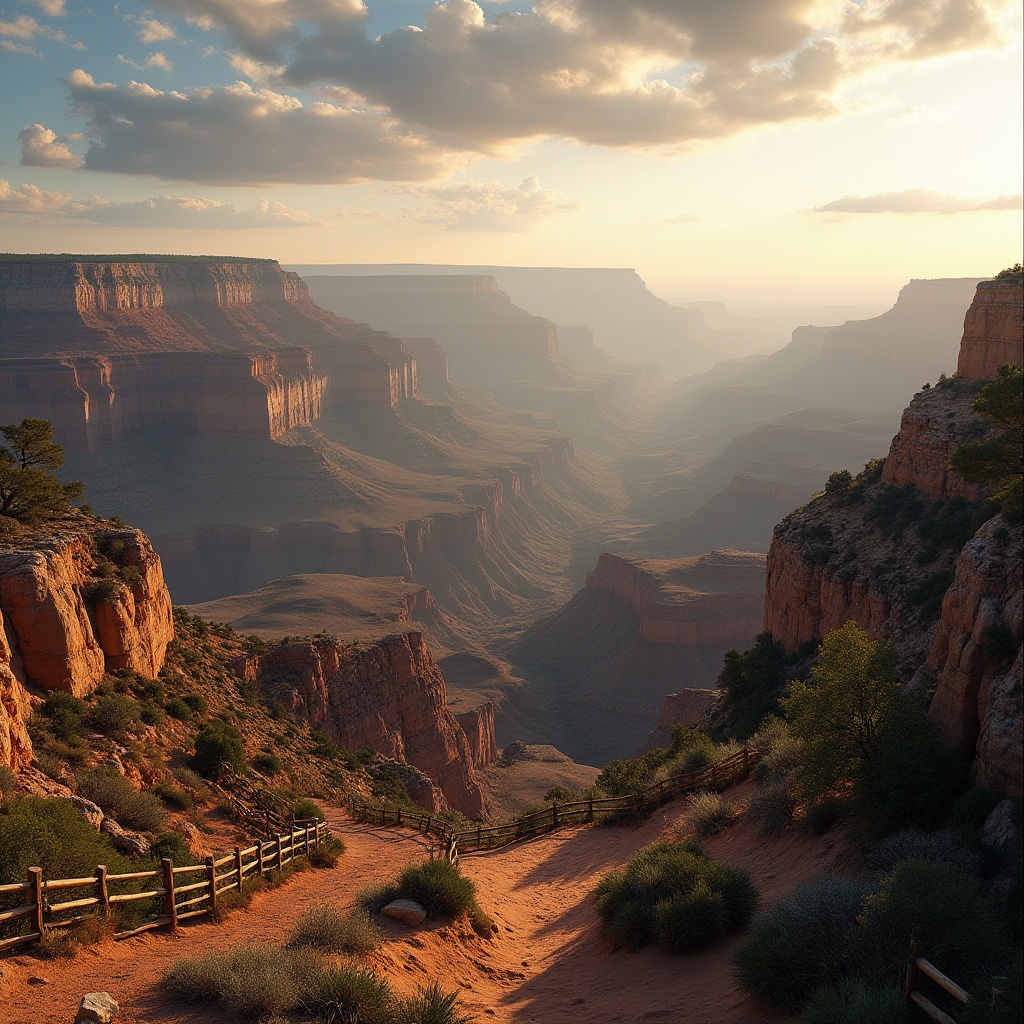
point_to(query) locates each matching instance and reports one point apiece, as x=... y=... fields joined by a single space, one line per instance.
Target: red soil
x=547 y=962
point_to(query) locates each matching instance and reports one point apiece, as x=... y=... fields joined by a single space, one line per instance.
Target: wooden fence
x=464 y=838
x=177 y=893
x=918 y=969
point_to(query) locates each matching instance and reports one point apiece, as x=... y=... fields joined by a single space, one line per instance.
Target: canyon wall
x=478 y=725
x=388 y=696
x=993 y=329
x=77 y=600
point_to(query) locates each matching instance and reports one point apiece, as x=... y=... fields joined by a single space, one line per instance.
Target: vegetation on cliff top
x=29 y=459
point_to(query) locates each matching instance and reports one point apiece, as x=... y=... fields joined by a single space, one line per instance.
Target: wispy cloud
x=18 y=35
x=918 y=200
x=154 y=60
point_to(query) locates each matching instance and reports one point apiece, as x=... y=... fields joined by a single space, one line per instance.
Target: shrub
x=173 y=846
x=194 y=702
x=197 y=979
x=773 y=805
x=345 y=993
x=932 y=847
x=777 y=749
x=192 y=781
x=217 y=744
x=52 y=834
x=1011 y=1011
x=936 y=905
x=800 y=944
x=328 y=853
x=259 y=982
x=856 y=1002
x=150 y=714
x=439 y=886
x=706 y=812
x=325 y=928
x=839 y=482
x=65 y=715
x=308 y=810
x=178 y=709
x=7 y=782
x=752 y=683
x=118 y=798
x=268 y=764
x=177 y=795
x=114 y=715
x=431 y=1005
x=673 y=894
x=819 y=818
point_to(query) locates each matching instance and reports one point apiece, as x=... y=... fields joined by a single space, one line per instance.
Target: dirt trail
x=548 y=961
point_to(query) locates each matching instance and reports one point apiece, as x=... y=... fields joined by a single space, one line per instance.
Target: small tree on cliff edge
x=997 y=460
x=29 y=458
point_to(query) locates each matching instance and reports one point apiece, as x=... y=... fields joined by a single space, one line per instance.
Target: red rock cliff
x=389 y=696
x=478 y=725
x=993 y=329
x=976 y=657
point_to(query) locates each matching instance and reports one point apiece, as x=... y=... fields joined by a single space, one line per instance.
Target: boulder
x=99 y=1007
x=407 y=911
x=92 y=813
x=127 y=842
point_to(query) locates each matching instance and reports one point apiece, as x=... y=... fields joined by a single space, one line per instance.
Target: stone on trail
x=98 y=1007
x=408 y=911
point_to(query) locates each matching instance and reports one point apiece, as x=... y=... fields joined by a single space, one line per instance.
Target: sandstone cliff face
x=933 y=426
x=389 y=696
x=478 y=725
x=15 y=707
x=993 y=329
x=688 y=707
x=64 y=635
x=978 y=698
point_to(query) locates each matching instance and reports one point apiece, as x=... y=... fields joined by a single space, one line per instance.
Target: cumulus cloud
x=41 y=147
x=479 y=206
x=154 y=60
x=192 y=212
x=18 y=35
x=54 y=8
x=239 y=135
x=149 y=30
x=918 y=200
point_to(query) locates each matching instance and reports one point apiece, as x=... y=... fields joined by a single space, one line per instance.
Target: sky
x=833 y=148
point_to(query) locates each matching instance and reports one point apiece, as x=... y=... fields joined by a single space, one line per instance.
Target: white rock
x=407 y=911
x=98 y=1007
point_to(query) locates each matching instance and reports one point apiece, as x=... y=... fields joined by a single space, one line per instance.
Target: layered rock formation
x=113 y=345
x=993 y=329
x=388 y=696
x=639 y=630
x=478 y=725
x=865 y=557
x=976 y=655
x=76 y=601
x=688 y=707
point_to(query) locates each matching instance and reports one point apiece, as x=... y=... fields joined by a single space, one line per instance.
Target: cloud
x=194 y=213
x=154 y=60
x=149 y=30
x=478 y=206
x=41 y=147
x=918 y=200
x=18 y=35
x=54 y=8
x=237 y=135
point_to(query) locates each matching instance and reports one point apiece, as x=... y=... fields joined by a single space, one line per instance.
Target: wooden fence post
x=280 y=851
x=170 y=910
x=746 y=759
x=590 y=809
x=305 y=841
x=101 y=881
x=35 y=879
x=238 y=867
x=259 y=859
x=554 y=815
x=211 y=880
x=913 y=971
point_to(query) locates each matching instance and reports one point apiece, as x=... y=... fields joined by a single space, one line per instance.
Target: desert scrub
x=308 y=810
x=707 y=813
x=328 y=853
x=119 y=799
x=935 y=847
x=432 y=1005
x=773 y=804
x=675 y=895
x=218 y=744
x=324 y=927
x=856 y=1002
x=343 y=993
x=801 y=944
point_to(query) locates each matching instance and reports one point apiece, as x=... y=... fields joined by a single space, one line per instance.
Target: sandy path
x=548 y=962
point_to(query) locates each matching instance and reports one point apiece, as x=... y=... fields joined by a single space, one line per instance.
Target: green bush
x=328 y=853
x=673 y=894
x=325 y=928
x=939 y=907
x=119 y=799
x=178 y=709
x=195 y=702
x=344 y=993
x=856 y=1002
x=431 y=1005
x=197 y=979
x=1011 y=1011
x=801 y=944
x=772 y=805
x=217 y=744
x=192 y=781
x=268 y=764
x=172 y=846
x=442 y=889
x=114 y=715
x=52 y=834
x=177 y=795
x=752 y=683
x=7 y=782
x=839 y=482
x=308 y=810
x=932 y=847
x=65 y=715
x=707 y=813
x=820 y=817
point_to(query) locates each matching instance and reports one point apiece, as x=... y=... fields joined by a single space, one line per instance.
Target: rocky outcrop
x=688 y=707
x=478 y=725
x=976 y=656
x=933 y=426
x=388 y=696
x=100 y=400
x=15 y=707
x=993 y=329
x=67 y=626
x=707 y=600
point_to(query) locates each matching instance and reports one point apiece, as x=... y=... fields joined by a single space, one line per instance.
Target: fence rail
x=573 y=812
x=39 y=912
x=918 y=967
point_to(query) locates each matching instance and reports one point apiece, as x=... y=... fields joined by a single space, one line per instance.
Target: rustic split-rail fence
x=458 y=839
x=176 y=893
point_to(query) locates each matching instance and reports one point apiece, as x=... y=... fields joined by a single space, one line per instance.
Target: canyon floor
x=547 y=962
